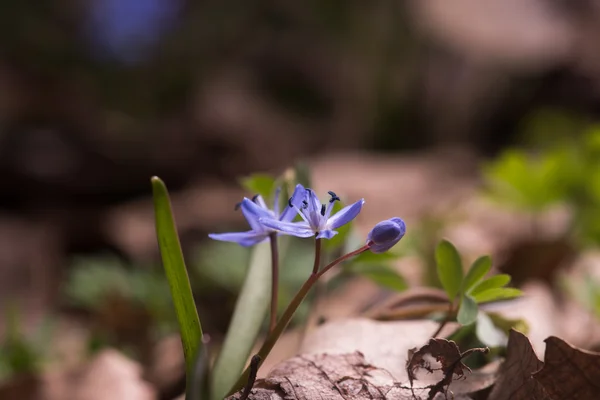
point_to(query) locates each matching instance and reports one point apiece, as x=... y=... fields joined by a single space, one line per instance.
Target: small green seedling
x=466 y=291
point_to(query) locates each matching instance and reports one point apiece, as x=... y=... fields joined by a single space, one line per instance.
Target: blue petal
x=261 y=202
x=313 y=212
x=246 y=239
x=326 y=234
x=345 y=215
x=289 y=213
x=276 y=201
x=253 y=212
x=300 y=229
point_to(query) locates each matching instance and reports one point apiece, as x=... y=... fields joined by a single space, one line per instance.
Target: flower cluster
x=316 y=220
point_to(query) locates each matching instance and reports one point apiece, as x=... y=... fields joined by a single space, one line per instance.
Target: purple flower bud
x=386 y=234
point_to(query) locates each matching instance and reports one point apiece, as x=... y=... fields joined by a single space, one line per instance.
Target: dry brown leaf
x=384 y=344
x=110 y=375
x=333 y=377
x=568 y=372
x=447 y=354
x=515 y=380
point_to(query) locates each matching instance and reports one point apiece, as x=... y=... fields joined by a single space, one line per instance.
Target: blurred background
x=380 y=99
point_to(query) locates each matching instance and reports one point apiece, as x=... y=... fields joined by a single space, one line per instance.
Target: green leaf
x=262 y=184
x=506 y=324
x=381 y=274
x=250 y=311
x=478 y=269
x=497 y=294
x=467 y=312
x=174 y=265
x=449 y=268
x=373 y=258
x=496 y=281
x=488 y=332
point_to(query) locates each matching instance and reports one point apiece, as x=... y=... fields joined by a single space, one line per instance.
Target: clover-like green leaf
x=496 y=281
x=449 y=268
x=467 y=312
x=497 y=294
x=478 y=269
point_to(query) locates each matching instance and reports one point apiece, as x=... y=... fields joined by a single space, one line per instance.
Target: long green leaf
x=449 y=268
x=480 y=267
x=496 y=281
x=179 y=283
x=250 y=311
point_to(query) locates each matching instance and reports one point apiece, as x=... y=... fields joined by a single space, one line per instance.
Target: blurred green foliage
x=125 y=302
x=585 y=290
x=20 y=353
x=565 y=170
x=378 y=268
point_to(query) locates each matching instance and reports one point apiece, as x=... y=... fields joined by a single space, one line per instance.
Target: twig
x=252 y=377
x=445 y=320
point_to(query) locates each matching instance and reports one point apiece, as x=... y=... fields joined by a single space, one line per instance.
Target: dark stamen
x=304 y=204
x=255 y=197
x=290 y=202
x=323 y=209
x=334 y=197
x=237 y=206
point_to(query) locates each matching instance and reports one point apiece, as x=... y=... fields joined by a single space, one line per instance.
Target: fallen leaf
x=110 y=375
x=569 y=372
x=363 y=358
x=384 y=344
x=515 y=380
x=333 y=377
x=447 y=354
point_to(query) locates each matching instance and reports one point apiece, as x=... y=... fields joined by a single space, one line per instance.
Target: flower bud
x=386 y=234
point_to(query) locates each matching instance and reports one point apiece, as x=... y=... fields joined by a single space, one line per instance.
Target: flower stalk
x=289 y=313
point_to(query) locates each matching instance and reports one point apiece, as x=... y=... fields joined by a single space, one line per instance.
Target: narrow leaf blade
x=381 y=274
x=174 y=265
x=497 y=294
x=496 y=281
x=449 y=268
x=250 y=312
x=467 y=313
x=478 y=269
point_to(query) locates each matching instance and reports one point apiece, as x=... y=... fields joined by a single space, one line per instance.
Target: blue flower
x=316 y=217
x=254 y=210
x=386 y=234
